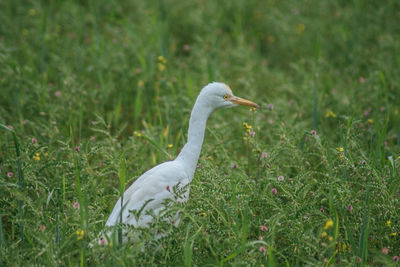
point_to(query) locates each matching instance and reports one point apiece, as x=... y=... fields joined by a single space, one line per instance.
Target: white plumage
x=157 y=184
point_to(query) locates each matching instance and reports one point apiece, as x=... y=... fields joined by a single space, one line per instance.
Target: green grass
x=88 y=74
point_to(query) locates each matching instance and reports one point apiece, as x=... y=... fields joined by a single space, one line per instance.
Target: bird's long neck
x=197 y=125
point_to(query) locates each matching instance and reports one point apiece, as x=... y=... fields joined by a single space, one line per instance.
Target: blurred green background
x=102 y=57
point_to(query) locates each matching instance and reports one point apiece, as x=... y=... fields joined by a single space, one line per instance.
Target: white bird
x=150 y=191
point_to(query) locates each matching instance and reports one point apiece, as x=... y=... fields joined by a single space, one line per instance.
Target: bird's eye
x=226 y=96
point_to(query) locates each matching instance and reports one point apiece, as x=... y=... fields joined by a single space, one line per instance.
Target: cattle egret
x=150 y=191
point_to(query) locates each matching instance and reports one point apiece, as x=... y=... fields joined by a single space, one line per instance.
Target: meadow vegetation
x=310 y=179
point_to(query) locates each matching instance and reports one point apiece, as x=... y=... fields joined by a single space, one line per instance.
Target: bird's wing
x=148 y=192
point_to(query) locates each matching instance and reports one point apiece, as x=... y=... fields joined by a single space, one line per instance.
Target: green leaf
x=122 y=175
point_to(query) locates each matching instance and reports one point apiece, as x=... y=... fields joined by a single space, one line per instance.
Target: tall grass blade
x=344 y=155
x=271 y=257
x=160 y=148
x=138 y=105
x=63 y=188
x=57 y=237
x=336 y=228
x=363 y=242
x=122 y=178
x=315 y=121
x=187 y=248
x=5 y=128
x=80 y=118
x=2 y=240
x=349 y=235
x=332 y=258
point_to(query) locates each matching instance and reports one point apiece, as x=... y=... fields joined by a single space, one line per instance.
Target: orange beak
x=243 y=102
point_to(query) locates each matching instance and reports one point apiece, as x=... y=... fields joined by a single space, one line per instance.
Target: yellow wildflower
x=394 y=234
x=324 y=234
x=80 y=234
x=32 y=12
x=140 y=83
x=170 y=146
x=344 y=247
x=203 y=214
x=253 y=109
x=161 y=66
x=330 y=238
x=137 y=133
x=300 y=28
x=328 y=224
x=388 y=223
x=162 y=59
x=340 y=149
x=370 y=120
x=330 y=114
x=37 y=156
x=248 y=127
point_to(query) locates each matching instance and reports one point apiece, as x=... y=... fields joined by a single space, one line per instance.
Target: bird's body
x=150 y=191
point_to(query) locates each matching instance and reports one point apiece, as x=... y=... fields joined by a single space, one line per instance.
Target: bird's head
x=219 y=95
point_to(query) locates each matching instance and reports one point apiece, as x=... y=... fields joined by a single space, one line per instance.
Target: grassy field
x=86 y=85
